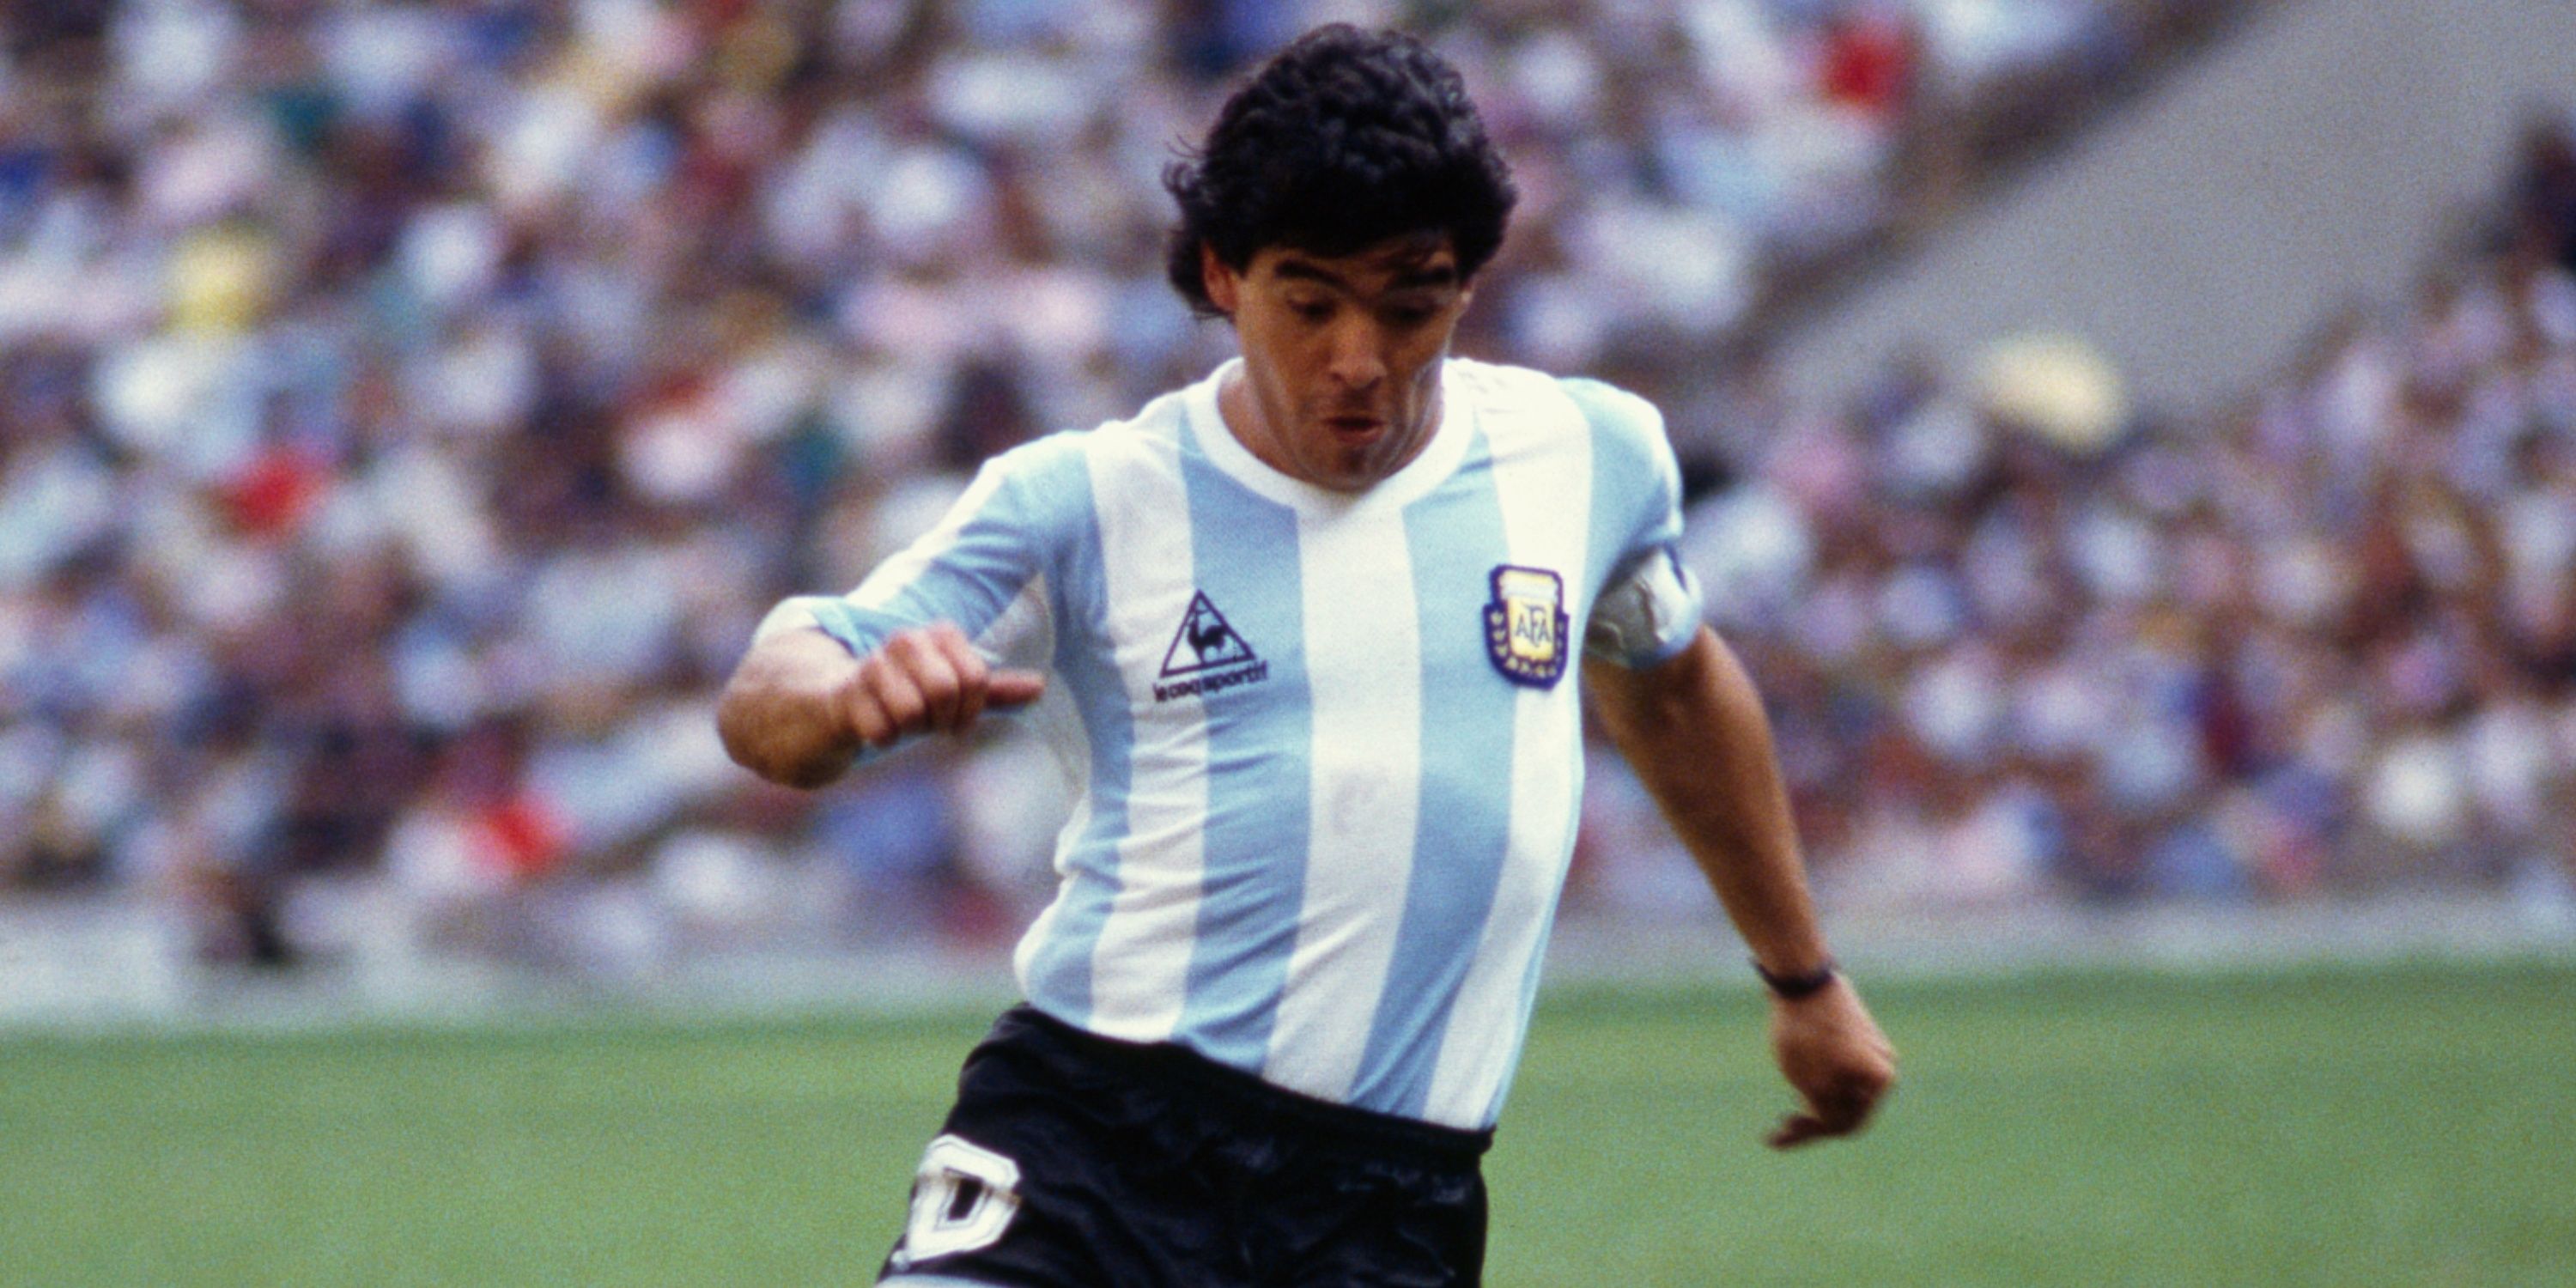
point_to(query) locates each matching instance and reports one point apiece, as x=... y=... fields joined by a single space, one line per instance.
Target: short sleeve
x=982 y=568
x=1648 y=608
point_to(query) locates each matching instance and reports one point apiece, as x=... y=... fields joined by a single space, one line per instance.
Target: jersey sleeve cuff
x=857 y=629
x=790 y=615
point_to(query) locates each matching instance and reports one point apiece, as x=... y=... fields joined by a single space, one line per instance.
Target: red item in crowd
x=272 y=496
x=521 y=837
x=1868 y=61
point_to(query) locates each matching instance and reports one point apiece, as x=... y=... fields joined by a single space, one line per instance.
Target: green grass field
x=2388 y=1126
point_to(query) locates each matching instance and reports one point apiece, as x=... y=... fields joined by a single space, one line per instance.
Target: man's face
x=1341 y=355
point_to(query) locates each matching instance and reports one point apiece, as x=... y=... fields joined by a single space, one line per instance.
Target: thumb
x=1008 y=689
x=1796 y=1130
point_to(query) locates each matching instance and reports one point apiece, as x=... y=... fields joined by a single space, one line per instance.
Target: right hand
x=928 y=678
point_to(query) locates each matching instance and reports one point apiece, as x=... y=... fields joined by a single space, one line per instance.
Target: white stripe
x=1543 y=480
x=1364 y=675
x=1140 y=967
x=1022 y=635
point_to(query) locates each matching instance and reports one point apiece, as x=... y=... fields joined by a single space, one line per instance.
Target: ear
x=1224 y=285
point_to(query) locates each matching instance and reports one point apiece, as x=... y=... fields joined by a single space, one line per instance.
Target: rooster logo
x=1205 y=642
x=1209 y=634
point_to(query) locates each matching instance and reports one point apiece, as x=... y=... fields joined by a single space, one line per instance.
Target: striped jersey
x=1327 y=745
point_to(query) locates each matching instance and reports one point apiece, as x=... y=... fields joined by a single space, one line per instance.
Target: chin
x=1347 y=479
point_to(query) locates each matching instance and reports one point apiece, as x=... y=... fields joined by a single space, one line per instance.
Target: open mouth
x=1354 y=429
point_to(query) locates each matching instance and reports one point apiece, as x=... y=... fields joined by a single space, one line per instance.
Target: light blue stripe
x=1462 y=836
x=1259 y=737
x=1059 y=972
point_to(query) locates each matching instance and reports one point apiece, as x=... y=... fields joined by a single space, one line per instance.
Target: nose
x=1358 y=359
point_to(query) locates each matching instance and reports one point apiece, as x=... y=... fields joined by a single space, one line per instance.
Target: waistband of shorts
x=1361 y=1130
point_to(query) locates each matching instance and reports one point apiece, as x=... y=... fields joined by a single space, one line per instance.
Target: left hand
x=1832 y=1052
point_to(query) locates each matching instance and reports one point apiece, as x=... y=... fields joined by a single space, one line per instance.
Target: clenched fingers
x=897 y=701
x=864 y=711
x=972 y=677
x=924 y=663
x=928 y=679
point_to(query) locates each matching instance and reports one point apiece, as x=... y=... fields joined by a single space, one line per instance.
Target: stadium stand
x=411 y=409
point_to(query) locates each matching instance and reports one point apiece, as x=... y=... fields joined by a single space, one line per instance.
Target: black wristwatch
x=1789 y=988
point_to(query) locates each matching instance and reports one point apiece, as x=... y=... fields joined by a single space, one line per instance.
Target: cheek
x=1419 y=354
x=1267 y=353
x=1281 y=376
x=1422 y=369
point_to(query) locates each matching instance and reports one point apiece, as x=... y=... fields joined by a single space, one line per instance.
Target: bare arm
x=799 y=708
x=1694 y=729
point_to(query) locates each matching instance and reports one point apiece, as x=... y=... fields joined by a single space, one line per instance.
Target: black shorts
x=1073 y=1161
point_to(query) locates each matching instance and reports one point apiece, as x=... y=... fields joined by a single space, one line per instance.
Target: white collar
x=1437 y=460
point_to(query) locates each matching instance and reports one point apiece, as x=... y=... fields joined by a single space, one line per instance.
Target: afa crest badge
x=1525 y=626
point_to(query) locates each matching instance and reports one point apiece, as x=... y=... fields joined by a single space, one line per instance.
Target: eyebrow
x=1413 y=279
x=1303 y=271
x=1445 y=275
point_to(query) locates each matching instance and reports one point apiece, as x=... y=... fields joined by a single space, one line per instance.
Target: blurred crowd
x=410 y=408
x=2325 y=642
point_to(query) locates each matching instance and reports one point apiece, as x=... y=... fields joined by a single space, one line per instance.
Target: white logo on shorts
x=963 y=1198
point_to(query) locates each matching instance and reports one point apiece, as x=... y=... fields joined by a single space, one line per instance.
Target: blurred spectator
x=2023 y=642
x=410 y=408
x=2544 y=209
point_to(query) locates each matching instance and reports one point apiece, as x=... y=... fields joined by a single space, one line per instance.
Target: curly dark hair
x=1346 y=139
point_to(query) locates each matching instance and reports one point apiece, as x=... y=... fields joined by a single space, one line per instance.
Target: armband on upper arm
x=1647 y=616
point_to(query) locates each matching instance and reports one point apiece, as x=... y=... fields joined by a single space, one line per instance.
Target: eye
x=1408 y=315
x=1310 y=310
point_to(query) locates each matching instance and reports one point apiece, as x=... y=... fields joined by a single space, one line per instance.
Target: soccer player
x=1304 y=634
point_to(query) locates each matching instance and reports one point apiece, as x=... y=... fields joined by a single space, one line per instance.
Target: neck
x=1245 y=421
